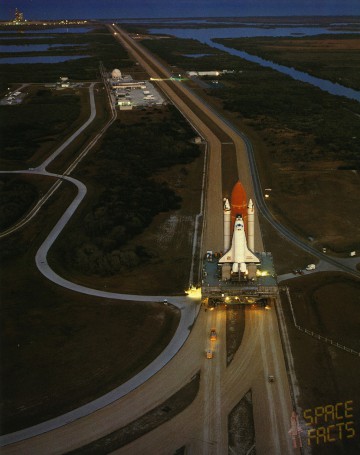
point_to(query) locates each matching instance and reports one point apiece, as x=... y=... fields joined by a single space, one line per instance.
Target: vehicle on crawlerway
x=213 y=335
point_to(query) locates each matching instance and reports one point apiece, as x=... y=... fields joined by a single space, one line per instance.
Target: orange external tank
x=238 y=204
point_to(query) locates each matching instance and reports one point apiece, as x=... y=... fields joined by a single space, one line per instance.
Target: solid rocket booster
x=251 y=223
x=227 y=224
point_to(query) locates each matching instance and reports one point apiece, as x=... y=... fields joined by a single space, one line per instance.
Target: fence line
x=316 y=335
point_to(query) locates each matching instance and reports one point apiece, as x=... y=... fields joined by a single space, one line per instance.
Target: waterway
x=206 y=35
x=40 y=59
x=203 y=34
x=194 y=55
x=50 y=30
x=17 y=48
x=35 y=37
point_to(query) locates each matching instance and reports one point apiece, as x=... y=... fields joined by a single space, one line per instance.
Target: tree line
x=16 y=196
x=129 y=193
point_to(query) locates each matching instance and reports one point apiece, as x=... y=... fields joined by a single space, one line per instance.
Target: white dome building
x=116 y=74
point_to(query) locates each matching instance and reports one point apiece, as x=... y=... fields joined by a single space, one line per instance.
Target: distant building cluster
x=11 y=98
x=63 y=83
x=18 y=19
x=129 y=93
x=63 y=22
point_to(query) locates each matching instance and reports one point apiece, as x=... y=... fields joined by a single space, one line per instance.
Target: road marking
x=269 y=392
x=281 y=387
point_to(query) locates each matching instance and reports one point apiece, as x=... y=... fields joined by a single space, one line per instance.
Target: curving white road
x=202 y=427
x=186 y=306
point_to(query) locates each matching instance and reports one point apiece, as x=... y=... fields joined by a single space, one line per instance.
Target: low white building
x=129 y=93
x=203 y=73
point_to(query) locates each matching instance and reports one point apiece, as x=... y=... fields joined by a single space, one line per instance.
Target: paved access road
x=202 y=427
x=187 y=307
x=260 y=353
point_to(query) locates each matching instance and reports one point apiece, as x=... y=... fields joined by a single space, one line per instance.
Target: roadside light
x=194 y=293
x=262 y=273
x=267 y=196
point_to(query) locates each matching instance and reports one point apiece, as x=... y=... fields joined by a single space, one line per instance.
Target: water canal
x=207 y=35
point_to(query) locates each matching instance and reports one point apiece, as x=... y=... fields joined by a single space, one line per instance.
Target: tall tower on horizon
x=18 y=17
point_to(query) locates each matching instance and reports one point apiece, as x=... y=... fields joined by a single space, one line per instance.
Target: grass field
x=307 y=136
x=315 y=195
x=61 y=349
x=327 y=304
x=330 y=57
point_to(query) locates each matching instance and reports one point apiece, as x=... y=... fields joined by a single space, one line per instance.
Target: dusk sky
x=92 y=9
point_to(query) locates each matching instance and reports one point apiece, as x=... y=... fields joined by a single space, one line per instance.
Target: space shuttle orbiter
x=239 y=254
x=240 y=216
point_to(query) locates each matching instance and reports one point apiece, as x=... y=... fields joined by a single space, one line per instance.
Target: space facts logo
x=330 y=423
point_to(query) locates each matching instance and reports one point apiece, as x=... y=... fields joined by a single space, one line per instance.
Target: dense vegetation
x=298 y=121
x=174 y=51
x=25 y=126
x=16 y=195
x=129 y=193
x=302 y=123
x=324 y=56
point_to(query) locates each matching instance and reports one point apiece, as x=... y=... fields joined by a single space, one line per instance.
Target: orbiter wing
x=229 y=256
x=250 y=257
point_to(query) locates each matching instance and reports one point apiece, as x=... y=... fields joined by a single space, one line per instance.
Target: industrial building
x=128 y=93
x=12 y=98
